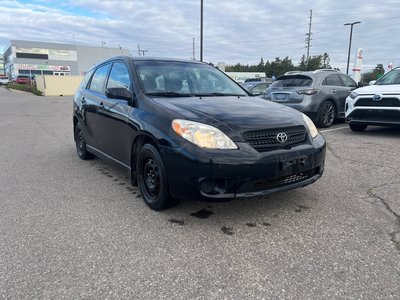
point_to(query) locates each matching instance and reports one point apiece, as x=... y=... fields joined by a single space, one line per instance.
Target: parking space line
x=333 y=129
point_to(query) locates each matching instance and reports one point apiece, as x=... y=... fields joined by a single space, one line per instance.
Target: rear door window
x=333 y=80
x=99 y=78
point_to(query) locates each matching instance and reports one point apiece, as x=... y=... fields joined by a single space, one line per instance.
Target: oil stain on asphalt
x=227 y=230
x=202 y=214
x=300 y=208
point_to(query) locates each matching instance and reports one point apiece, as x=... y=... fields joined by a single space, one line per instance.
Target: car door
x=90 y=100
x=337 y=90
x=113 y=116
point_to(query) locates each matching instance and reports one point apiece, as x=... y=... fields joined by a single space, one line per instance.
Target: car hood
x=233 y=115
x=379 y=89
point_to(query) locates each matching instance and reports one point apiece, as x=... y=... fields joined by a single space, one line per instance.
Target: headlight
x=202 y=135
x=353 y=95
x=311 y=127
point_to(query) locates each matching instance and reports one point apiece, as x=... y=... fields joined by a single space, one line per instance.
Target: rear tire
x=81 y=144
x=152 y=179
x=326 y=115
x=358 y=127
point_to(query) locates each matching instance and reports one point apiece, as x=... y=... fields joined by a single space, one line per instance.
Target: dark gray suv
x=320 y=94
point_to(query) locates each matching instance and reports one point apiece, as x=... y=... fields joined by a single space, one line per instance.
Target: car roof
x=145 y=58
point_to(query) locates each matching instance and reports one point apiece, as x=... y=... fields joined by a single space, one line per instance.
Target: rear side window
x=332 y=80
x=99 y=78
x=292 y=81
x=86 y=79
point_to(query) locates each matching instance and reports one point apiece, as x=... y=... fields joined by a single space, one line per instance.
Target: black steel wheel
x=81 y=144
x=326 y=114
x=152 y=179
x=358 y=127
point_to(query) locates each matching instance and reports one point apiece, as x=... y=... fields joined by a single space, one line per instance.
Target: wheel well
x=137 y=144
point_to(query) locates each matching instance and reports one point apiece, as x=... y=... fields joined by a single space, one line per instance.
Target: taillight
x=307 y=92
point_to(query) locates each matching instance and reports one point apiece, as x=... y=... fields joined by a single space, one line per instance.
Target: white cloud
x=234 y=31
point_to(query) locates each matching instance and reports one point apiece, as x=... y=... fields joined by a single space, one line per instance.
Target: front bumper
x=371 y=115
x=220 y=175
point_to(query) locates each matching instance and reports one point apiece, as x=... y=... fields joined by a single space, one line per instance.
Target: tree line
x=280 y=66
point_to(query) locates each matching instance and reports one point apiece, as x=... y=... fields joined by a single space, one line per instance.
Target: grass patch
x=25 y=87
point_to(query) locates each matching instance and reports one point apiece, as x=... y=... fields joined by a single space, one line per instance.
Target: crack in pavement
x=333 y=152
x=394 y=236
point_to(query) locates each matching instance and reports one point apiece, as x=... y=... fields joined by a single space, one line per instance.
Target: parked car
x=253 y=79
x=4 y=80
x=185 y=130
x=320 y=94
x=255 y=88
x=377 y=104
x=24 y=79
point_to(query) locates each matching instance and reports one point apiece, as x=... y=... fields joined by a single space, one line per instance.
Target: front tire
x=81 y=144
x=358 y=127
x=152 y=179
x=326 y=115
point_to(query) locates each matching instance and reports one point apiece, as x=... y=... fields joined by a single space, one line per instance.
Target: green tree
x=375 y=74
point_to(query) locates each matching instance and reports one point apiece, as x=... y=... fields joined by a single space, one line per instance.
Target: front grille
x=385 y=102
x=262 y=140
x=266 y=184
x=376 y=116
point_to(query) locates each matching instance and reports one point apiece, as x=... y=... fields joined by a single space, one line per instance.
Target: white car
x=4 y=80
x=377 y=104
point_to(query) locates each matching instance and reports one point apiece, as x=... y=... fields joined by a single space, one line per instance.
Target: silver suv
x=320 y=94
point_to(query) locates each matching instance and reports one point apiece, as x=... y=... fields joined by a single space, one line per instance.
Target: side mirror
x=372 y=82
x=119 y=93
x=360 y=84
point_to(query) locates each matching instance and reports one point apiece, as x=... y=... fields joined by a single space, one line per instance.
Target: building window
x=32 y=55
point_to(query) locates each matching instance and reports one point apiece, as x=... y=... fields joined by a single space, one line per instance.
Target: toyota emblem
x=377 y=97
x=281 y=137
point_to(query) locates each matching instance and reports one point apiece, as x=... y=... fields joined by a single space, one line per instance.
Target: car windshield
x=183 y=79
x=292 y=81
x=393 y=77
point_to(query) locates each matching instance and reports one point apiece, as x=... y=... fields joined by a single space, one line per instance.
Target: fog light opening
x=208 y=185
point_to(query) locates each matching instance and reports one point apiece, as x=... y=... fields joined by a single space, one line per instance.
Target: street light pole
x=351 y=35
x=201 y=30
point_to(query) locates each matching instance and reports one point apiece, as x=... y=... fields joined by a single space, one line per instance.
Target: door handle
x=333 y=91
x=83 y=100
x=101 y=104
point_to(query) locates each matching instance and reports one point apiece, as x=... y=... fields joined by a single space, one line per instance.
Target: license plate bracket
x=293 y=166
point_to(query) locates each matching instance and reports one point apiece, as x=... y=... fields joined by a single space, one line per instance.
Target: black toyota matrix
x=185 y=130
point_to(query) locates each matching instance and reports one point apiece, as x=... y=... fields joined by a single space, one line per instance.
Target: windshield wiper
x=168 y=94
x=218 y=94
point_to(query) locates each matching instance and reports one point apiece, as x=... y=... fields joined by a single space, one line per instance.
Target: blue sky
x=234 y=31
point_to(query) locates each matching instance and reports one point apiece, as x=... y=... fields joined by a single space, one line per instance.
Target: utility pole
x=141 y=51
x=201 y=30
x=308 y=38
x=351 y=35
x=193 y=57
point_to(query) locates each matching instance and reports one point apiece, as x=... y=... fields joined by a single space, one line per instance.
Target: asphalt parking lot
x=74 y=229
